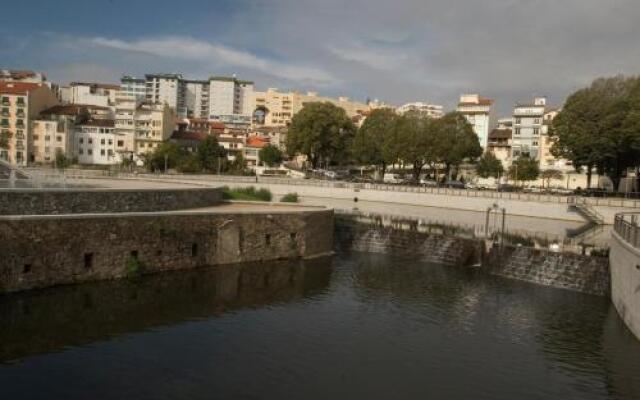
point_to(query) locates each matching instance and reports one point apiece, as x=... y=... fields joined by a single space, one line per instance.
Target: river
x=357 y=326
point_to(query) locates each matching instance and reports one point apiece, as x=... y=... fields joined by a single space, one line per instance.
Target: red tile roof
x=18 y=87
x=257 y=142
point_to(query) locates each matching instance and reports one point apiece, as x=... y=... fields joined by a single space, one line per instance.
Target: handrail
x=626 y=226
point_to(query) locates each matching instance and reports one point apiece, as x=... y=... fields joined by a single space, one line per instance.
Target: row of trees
x=599 y=128
x=325 y=134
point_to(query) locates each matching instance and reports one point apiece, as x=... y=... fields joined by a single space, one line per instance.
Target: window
x=120 y=143
x=81 y=140
x=80 y=151
x=90 y=141
x=58 y=138
x=518 y=120
x=102 y=141
x=110 y=141
x=90 y=152
x=102 y=152
x=47 y=138
x=88 y=260
x=517 y=131
x=534 y=143
x=536 y=131
x=36 y=137
x=536 y=120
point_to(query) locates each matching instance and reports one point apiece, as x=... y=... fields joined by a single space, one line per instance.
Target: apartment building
x=252 y=147
x=54 y=130
x=499 y=143
x=96 y=142
x=229 y=97
x=154 y=124
x=480 y=114
x=197 y=98
x=25 y=76
x=430 y=110
x=167 y=89
x=96 y=94
x=132 y=88
x=528 y=121
x=20 y=103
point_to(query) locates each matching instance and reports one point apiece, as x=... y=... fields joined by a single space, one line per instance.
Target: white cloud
x=372 y=57
x=192 y=49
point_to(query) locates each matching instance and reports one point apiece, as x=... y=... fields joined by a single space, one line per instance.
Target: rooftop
x=189 y=135
x=103 y=123
x=257 y=142
x=18 y=87
x=111 y=86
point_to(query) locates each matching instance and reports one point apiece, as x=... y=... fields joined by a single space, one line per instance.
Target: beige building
x=20 y=103
x=430 y=110
x=53 y=132
x=275 y=108
x=154 y=124
x=480 y=114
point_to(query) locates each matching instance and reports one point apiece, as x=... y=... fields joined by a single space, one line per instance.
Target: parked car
x=505 y=187
x=393 y=178
x=455 y=185
x=424 y=181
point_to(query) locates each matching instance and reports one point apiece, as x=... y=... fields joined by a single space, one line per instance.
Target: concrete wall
x=625 y=281
x=71 y=201
x=42 y=251
x=562 y=270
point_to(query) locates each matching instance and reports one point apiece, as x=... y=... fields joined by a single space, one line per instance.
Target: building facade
x=479 y=112
x=20 y=103
x=430 y=110
x=53 y=132
x=167 y=89
x=96 y=142
x=528 y=127
x=96 y=94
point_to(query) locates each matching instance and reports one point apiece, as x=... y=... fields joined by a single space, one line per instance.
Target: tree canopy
x=524 y=169
x=321 y=131
x=489 y=166
x=211 y=156
x=270 y=155
x=376 y=142
x=599 y=127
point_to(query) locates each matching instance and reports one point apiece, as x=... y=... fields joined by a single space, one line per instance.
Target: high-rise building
x=132 y=88
x=229 y=96
x=167 y=89
x=20 y=103
x=197 y=98
x=478 y=111
x=528 y=121
x=430 y=110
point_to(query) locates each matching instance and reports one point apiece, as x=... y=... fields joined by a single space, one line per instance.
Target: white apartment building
x=20 y=103
x=430 y=110
x=132 y=88
x=478 y=111
x=528 y=121
x=167 y=89
x=229 y=96
x=11 y=75
x=95 y=142
x=95 y=94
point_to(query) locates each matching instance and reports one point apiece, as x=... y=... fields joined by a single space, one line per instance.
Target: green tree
x=417 y=135
x=376 y=142
x=270 y=155
x=61 y=160
x=211 y=155
x=238 y=165
x=489 y=166
x=524 y=169
x=189 y=163
x=167 y=154
x=455 y=141
x=599 y=127
x=322 y=132
x=548 y=174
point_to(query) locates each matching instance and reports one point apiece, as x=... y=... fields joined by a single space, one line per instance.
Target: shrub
x=290 y=198
x=247 y=194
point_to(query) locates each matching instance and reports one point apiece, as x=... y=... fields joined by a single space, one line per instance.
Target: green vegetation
x=524 y=169
x=290 y=198
x=321 y=131
x=134 y=267
x=62 y=161
x=246 y=194
x=376 y=142
x=549 y=174
x=599 y=127
x=489 y=166
x=270 y=155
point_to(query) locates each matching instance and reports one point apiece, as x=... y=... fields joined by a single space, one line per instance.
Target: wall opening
x=194 y=249
x=267 y=239
x=26 y=268
x=293 y=236
x=134 y=254
x=88 y=260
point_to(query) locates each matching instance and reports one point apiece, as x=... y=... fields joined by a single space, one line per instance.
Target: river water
x=358 y=326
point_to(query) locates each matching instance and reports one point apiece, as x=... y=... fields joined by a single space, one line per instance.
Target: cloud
x=381 y=59
x=192 y=49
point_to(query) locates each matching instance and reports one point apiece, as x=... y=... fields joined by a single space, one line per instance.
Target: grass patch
x=247 y=194
x=290 y=198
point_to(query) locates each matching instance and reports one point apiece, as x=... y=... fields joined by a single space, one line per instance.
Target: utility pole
x=166 y=162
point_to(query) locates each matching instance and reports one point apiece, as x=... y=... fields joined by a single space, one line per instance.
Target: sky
x=396 y=51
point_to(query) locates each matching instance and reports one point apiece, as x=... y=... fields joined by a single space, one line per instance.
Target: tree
x=62 y=161
x=524 y=169
x=322 y=132
x=270 y=155
x=417 y=136
x=548 y=174
x=376 y=142
x=167 y=154
x=456 y=141
x=599 y=127
x=489 y=166
x=211 y=155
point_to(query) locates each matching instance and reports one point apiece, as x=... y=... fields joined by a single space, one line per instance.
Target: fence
x=626 y=226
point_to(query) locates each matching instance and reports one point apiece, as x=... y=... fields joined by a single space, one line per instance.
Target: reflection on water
x=359 y=326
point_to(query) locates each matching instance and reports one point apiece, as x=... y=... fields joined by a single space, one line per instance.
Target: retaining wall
x=561 y=270
x=41 y=251
x=625 y=281
x=71 y=201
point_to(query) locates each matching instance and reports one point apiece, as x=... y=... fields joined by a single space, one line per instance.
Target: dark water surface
x=358 y=327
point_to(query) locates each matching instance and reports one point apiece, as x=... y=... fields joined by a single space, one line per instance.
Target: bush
x=290 y=198
x=247 y=194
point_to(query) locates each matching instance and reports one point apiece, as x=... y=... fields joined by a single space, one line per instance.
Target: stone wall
x=562 y=270
x=42 y=251
x=76 y=201
x=448 y=250
x=625 y=281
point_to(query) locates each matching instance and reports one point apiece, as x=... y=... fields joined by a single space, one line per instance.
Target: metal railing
x=626 y=226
